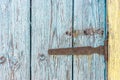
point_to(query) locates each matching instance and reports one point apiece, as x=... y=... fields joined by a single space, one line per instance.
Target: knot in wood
x=41 y=57
x=2 y=59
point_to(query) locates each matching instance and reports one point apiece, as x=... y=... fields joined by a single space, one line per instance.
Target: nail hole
x=67 y=32
x=85 y=32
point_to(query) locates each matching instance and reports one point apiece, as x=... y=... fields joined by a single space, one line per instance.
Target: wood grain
x=114 y=39
x=51 y=19
x=89 y=14
x=14 y=40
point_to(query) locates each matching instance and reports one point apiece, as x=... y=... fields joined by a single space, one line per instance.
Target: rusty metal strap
x=101 y=50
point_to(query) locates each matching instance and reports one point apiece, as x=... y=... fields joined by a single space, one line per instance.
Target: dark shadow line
x=72 y=38
x=106 y=37
x=30 y=38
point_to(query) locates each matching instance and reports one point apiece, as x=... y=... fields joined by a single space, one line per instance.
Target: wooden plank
x=89 y=15
x=114 y=39
x=14 y=40
x=51 y=19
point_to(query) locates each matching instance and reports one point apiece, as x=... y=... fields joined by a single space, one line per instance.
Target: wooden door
x=28 y=28
x=61 y=24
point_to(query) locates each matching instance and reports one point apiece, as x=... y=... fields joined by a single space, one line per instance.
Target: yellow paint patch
x=114 y=39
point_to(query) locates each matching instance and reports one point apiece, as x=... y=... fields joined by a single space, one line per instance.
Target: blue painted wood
x=51 y=19
x=89 y=14
x=14 y=40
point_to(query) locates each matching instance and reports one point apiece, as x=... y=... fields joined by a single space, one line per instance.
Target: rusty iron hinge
x=101 y=50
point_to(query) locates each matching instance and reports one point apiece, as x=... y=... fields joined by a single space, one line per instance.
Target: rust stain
x=67 y=75
x=75 y=33
x=89 y=61
x=12 y=44
x=89 y=31
x=12 y=77
x=12 y=41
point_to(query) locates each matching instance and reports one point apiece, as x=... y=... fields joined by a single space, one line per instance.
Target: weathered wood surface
x=114 y=39
x=89 y=14
x=51 y=19
x=14 y=40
